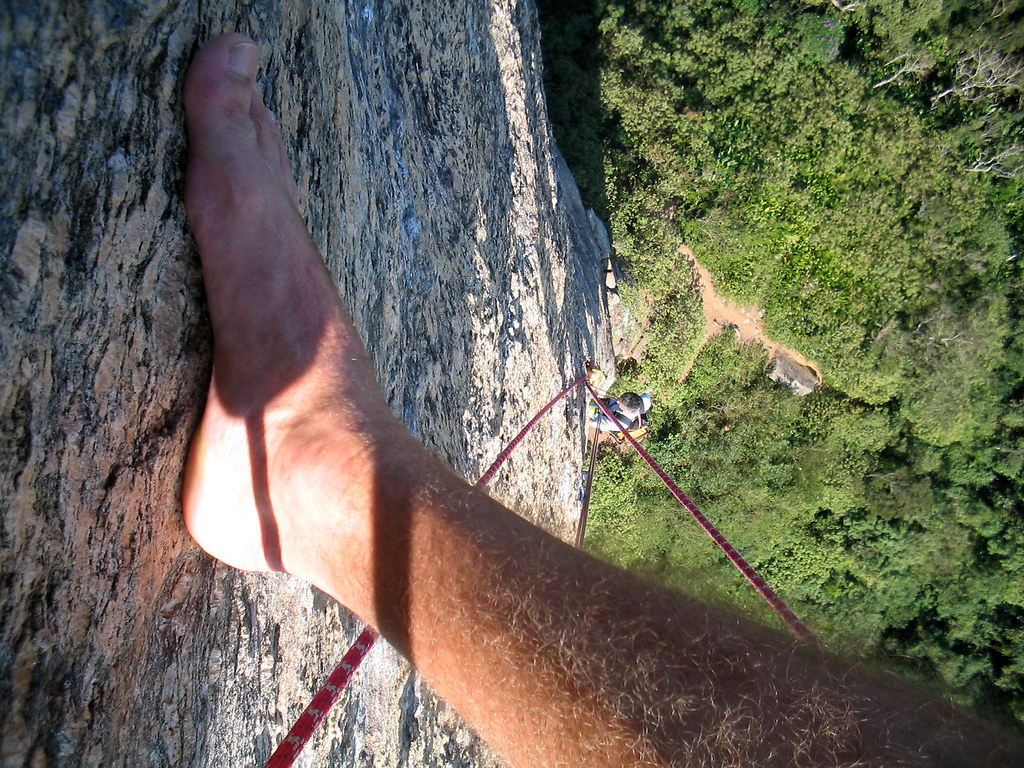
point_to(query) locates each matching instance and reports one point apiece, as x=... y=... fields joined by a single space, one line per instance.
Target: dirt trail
x=722 y=315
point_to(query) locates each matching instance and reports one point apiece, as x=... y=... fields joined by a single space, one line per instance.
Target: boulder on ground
x=796 y=376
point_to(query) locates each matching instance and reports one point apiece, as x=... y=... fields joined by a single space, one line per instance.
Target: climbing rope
x=796 y=626
x=581 y=531
x=314 y=714
x=317 y=710
x=492 y=470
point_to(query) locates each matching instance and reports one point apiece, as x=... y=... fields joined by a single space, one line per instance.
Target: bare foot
x=291 y=380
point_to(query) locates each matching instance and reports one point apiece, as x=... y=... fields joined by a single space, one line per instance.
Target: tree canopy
x=856 y=172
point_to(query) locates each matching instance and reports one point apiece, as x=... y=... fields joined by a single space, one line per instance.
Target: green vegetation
x=860 y=176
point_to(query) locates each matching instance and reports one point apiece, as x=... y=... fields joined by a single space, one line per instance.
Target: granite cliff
x=419 y=134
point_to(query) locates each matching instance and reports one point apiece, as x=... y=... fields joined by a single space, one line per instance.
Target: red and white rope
x=317 y=710
x=322 y=702
x=796 y=626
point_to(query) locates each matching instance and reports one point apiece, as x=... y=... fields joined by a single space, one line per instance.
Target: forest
x=856 y=170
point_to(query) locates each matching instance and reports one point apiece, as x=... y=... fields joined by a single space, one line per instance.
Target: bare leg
x=556 y=659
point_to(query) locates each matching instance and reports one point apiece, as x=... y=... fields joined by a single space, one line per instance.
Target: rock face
x=793 y=374
x=419 y=133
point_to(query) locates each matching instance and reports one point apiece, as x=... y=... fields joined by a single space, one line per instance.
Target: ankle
x=335 y=479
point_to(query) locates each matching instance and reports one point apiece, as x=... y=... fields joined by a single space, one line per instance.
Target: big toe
x=220 y=80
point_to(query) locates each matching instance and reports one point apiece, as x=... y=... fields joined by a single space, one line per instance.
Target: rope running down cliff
x=314 y=714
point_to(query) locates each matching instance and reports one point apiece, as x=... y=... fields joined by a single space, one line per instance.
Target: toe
x=220 y=78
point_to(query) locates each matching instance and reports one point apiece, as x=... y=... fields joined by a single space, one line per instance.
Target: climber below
x=631 y=413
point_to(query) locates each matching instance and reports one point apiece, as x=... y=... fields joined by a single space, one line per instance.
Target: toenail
x=243 y=58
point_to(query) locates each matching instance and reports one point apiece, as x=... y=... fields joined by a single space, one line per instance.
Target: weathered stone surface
x=788 y=372
x=420 y=133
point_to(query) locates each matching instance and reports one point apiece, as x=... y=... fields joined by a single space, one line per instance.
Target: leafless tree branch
x=985 y=73
x=916 y=67
x=1007 y=163
x=999 y=7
